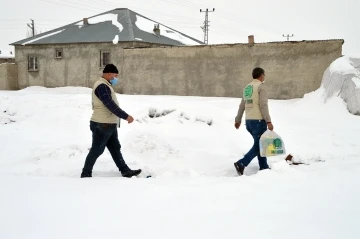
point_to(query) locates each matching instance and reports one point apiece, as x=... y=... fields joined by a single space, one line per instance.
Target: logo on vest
x=248 y=91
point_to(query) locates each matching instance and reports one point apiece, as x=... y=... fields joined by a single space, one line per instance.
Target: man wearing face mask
x=103 y=124
x=255 y=104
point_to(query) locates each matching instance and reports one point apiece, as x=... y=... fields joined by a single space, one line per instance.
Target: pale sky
x=232 y=21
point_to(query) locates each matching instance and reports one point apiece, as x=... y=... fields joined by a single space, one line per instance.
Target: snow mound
x=342 y=79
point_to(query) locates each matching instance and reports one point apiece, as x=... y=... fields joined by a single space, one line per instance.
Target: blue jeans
x=104 y=135
x=256 y=128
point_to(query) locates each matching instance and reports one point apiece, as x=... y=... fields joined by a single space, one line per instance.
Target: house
x=75 y=54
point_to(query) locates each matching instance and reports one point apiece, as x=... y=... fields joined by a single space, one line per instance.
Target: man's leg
x=253 y=152
x=99 y=140
x=262 y=127
x=114 y=148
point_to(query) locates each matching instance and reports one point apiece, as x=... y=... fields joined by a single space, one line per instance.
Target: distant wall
x=7 y=60
x=79 y=65
x=292 y=68
x=8 y=77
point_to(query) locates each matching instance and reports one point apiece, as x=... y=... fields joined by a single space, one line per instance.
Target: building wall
x=3 y=77
x=292 y=68
x=7 y=60
x=79 y=65
x=8 y=77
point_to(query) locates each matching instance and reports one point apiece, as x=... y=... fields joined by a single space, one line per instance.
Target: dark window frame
x=33 y=63
x=105 y=60
x=58 y=50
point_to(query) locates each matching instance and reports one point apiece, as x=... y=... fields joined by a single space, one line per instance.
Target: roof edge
x=57 y=29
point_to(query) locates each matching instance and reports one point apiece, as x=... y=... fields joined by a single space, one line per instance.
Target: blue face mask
x=114 y=81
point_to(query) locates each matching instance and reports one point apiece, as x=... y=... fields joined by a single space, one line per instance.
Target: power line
x=86 y=4
x=97 y=5
x=173 y=19
x=234 y=18
x=249 y=23
x=205 y=27
x=69 y=6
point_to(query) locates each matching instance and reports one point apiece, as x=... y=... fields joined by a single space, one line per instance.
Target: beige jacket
x=254 y=103
x=101 y=114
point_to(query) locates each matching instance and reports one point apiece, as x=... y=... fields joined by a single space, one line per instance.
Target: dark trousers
x=256 y=128
x=104 y=135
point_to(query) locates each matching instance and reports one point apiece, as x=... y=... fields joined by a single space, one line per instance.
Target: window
x=33 y=63
x=104 y=58
x=58 y=53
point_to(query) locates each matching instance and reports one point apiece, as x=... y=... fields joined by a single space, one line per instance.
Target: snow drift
x=342 y=78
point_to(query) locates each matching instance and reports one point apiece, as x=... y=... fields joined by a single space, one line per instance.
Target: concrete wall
x=79 y=65
x=3 y=77
x=292 y=68
x=8 y=77
x=7 y=60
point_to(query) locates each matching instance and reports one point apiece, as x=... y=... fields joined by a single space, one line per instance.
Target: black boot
x=86 y=174
x=239 y=168
x=130 y=173
x=264 y=168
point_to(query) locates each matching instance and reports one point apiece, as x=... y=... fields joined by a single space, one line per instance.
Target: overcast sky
x=232 y=21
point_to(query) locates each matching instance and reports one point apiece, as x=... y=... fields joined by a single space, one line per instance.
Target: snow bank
x=342 y=79
x=188 y=145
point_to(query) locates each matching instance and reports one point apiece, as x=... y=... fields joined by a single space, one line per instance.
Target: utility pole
x=206 y=25
x=32 y=27
x=287 y=36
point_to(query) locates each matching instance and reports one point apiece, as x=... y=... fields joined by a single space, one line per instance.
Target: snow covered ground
x=189 y=150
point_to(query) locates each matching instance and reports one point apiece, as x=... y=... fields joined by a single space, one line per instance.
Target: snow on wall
x=342 y=79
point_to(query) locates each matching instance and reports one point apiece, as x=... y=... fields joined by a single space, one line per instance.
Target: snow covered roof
x=6 y=54
x=118 y=25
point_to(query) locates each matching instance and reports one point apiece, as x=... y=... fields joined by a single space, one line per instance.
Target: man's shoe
x=264 y=168
x=86 y=174
x=239 y=169
x=130 y=173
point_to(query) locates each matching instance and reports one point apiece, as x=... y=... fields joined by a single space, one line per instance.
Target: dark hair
x=257 y=72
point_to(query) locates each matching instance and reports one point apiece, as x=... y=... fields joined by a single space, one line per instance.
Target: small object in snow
x=149 y=176
x=289 y=160
x=289 y=157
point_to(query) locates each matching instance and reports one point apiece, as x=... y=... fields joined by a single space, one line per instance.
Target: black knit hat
x=110 y=68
